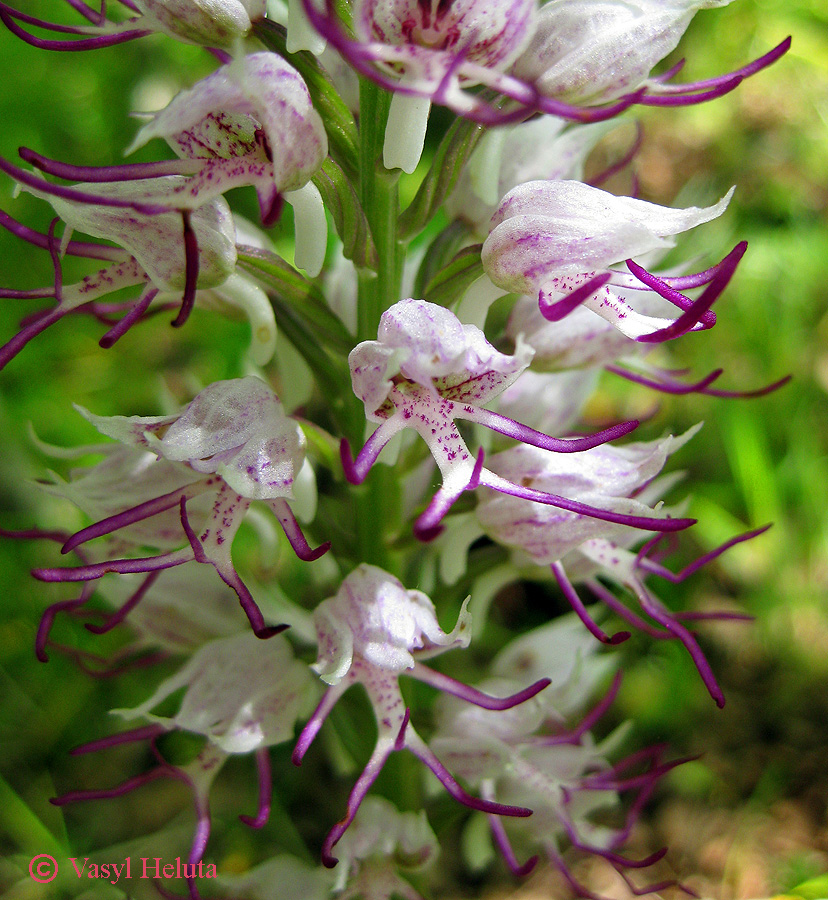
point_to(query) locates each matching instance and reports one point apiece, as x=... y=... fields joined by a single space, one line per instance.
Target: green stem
x=376 y=506
x=379 y=194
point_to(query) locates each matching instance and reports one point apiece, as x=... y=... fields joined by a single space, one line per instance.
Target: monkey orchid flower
x=597 y=51
x=428 y=369
x=232 y=445
x=249 y=123
x=252 y=122
x=563 y=242
x=244 y=696
x=161 y=249
x=585 y=62
x=370 y=633
x=427 y=52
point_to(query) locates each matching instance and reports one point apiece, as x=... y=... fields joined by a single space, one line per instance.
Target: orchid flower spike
x=371 y=632
x=596 y=51
x=231 y=445
x=425 y=371
x=210 y=23
x=563 y=242
x=252 y=122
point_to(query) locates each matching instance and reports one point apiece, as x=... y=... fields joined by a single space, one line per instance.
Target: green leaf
x=294 y=289
x=338 y=119
x=813 y=889
x=440 y=251
x=452 y=281
x=452 y=154
x=342 y=201
x=21 y=823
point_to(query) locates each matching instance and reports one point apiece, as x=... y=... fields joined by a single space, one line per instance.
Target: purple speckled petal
x=238 y=429
x=220 y=116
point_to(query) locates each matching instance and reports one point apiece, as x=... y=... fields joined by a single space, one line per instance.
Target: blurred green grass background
x=755 y=461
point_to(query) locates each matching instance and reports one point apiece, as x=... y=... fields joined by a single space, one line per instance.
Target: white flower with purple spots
x=425 y=371
x=371 y=632
x=231 y=446
x=244 y=696
x=162 y=248
x=532 y=754
x=428 y=51
x=564 y=242
x=252 y=123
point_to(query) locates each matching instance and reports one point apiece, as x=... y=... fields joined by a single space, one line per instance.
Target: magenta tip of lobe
x=310 y=556
x=426 y=535
x=526 y=868
x=618 y=638
x=347 y=458
x=270 y=631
